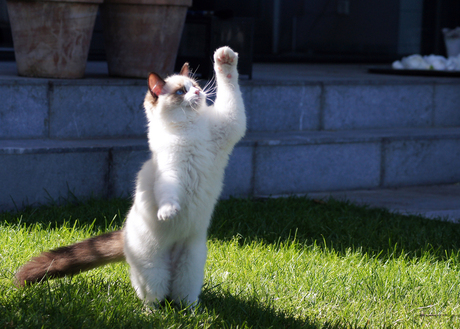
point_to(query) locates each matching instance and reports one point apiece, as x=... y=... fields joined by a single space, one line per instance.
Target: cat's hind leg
x=188 y=271
x=137 y=282
x=151 y=281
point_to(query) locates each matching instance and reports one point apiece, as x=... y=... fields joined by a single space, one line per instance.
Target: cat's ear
x=156 y=84
x=185 y=70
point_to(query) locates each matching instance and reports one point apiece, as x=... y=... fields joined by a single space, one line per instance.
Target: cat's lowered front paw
x=168 y=211
x=225 y=60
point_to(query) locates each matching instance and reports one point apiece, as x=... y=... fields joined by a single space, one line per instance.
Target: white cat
x=164 y=237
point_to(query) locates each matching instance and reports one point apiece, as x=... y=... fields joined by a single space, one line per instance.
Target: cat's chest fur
x=191 y=157
x=190 y=154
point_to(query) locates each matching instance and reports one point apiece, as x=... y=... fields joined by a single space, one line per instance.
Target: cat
x=164 y=236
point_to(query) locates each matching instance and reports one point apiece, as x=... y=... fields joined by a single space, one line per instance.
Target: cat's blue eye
x=180 y=92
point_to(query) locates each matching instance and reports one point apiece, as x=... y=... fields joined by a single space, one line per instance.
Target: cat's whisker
x=211 y=100
x=211 y=90
x=210 y=84
x=193 y=74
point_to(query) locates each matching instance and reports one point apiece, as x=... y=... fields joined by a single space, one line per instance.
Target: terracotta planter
x=51 y=38
x=142 y=36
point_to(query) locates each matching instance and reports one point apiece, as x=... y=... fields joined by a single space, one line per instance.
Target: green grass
x=279 y=263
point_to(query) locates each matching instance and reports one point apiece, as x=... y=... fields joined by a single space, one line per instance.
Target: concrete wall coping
x=34 y=146
x=264 y=75
x=350 y=136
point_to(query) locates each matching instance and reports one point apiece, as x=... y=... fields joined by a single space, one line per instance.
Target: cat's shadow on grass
x=333 y=224
x=237 y=312
x=78 y=303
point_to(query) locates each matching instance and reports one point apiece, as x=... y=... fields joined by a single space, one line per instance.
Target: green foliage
x=272 y=263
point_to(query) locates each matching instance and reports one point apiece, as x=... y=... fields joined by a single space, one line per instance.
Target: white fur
x=176 y=190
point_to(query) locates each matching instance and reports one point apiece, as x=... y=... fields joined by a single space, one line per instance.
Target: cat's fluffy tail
x=73 y=259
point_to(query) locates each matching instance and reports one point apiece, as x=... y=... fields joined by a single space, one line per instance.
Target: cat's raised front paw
x=168 y=211
x=225 y=60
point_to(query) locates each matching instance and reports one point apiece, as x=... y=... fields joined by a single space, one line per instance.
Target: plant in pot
x=52 y=37
x=141 y=36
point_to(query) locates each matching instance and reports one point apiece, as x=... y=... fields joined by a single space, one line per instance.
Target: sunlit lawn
x=280 y=263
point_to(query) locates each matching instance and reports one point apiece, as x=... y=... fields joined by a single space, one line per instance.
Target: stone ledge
x=350 y=136
x=263 y=74
x=261 y=164
x=104 y=107
x=291 y=138
x=36 y=146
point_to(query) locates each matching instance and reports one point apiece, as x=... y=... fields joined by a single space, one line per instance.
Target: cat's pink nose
x=197 y=92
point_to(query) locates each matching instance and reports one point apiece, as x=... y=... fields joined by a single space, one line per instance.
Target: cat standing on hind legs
x=164 y=237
